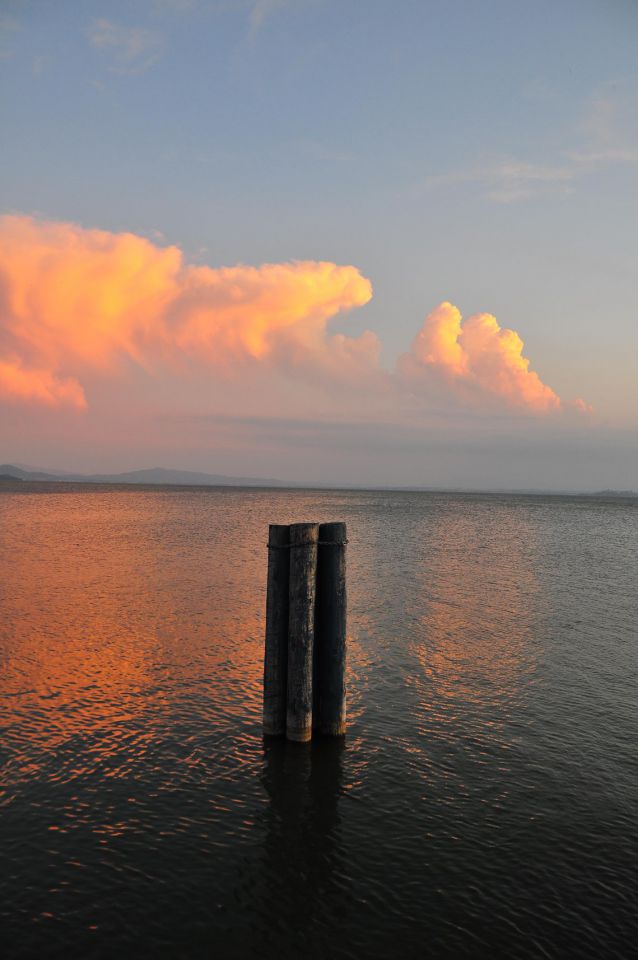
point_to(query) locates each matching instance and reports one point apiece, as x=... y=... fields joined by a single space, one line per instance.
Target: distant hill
x=160 y=476
x=8 y=471
x=154 y=475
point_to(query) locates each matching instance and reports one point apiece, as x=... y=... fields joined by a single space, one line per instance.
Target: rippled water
x=484 y=800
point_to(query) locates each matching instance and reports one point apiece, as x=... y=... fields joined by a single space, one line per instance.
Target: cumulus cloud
x=79 y=303
x=78 y=300
x=473 y=355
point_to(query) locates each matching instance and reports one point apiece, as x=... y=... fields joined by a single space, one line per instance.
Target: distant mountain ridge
x=153 y=475
x=161 y=476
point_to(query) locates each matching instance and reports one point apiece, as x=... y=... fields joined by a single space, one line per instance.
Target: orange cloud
x=77 y=302
x=437 y=342
x=476 y=356
x=23 y=384
x=78 y=299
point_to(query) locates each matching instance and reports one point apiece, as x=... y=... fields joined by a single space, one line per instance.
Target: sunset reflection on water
x=110 y=629
x=486 y=767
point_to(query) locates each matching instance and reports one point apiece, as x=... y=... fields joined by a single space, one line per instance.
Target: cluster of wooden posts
x=305 y=658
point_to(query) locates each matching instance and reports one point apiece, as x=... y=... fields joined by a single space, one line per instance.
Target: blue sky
x=482 y=153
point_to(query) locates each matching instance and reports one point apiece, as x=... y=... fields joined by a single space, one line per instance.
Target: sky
x=381 y=242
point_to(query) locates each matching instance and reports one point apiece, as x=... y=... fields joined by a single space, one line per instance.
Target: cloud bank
x=79 y=302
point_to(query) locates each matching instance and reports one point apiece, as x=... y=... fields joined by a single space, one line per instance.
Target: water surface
x=483 y=802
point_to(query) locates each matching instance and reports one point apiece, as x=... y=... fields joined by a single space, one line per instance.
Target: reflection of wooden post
x=330 y=632
x=301 y=623
x=276 y=655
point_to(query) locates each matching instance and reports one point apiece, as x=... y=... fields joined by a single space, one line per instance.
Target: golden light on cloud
x=477 y=354
x=21 y=384
x=79 y=302
x=437 y=342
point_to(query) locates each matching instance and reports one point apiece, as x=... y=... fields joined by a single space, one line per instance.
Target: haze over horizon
x=292 y=239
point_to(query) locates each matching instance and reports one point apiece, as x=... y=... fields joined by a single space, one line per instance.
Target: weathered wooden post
x=276 y=653
x=329 y=714
x=301 y=628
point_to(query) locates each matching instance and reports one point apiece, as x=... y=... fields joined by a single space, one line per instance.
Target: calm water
x=484 y=802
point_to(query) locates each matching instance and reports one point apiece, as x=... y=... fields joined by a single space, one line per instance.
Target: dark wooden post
x=276 y=654
x=330 y=632
x=301 y=627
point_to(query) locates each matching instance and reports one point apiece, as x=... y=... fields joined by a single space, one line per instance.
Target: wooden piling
x=301 y=625
x=329 y=713
x=276 y=653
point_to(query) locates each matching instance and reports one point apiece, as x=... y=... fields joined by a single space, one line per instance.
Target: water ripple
x=483 y=802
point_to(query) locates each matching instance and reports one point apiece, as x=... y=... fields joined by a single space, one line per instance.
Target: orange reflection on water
x=114 y=629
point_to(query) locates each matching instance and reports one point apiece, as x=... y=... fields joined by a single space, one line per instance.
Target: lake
x=483 y=802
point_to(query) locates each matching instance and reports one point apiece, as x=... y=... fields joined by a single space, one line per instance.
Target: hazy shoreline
x=10 y=484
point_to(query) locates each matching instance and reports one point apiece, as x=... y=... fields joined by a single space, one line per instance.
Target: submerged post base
x=299 y=736
x=331 y=729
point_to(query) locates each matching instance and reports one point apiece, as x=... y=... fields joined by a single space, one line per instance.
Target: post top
x=304 y=533
x=278 y=535
x=333 y=531
x=287 y=536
